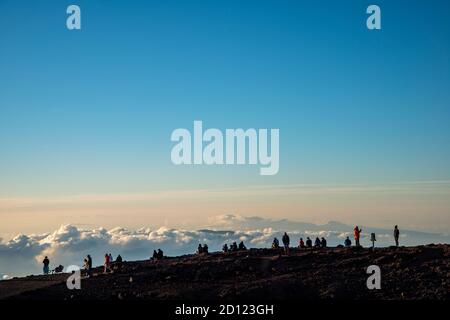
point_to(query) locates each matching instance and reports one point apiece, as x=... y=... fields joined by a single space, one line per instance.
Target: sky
x=86 y=115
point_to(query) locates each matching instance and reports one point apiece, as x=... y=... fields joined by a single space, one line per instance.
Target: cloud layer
x=69 y=244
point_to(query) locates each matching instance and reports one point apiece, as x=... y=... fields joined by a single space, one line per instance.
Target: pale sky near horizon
x=86 y=116
x=383 y=206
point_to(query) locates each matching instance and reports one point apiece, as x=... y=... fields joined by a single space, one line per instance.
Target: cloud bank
x=69 y=244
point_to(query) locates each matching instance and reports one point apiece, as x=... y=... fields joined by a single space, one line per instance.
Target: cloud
x=69 y=244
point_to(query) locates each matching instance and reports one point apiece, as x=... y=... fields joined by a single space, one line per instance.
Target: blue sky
x=91 y=111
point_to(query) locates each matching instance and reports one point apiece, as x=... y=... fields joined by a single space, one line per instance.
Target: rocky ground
x=407 y=273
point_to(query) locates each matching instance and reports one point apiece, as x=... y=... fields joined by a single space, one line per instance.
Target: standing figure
x=396 y=235
x=46 y=263
x=373 y=239
x=286 y=242
x=89 y=261
x=357 y=235
x=107 y=268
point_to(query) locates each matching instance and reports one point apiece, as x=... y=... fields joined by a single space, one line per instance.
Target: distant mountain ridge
x=408 y=237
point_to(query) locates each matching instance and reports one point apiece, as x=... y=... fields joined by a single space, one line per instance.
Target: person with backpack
x=275 y=243
x=46 y=263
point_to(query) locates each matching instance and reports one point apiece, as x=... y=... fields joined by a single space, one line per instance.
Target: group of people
x=301 y=244
x=202 y=249
x=322 y=242
x=318 y=243
x=234 y=247
x=46 y=268
x=286 y=242
x=158 y=255
x=357 y=236
x=109 y=261
x=107 y=265
x=87 y=264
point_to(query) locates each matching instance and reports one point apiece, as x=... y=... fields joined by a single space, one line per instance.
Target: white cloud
x=69 y=244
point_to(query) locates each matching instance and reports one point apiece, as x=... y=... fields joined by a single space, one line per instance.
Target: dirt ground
x=407 y=273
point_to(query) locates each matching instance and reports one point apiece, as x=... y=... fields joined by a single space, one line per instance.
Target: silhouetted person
x=286 y=242
x=225 y=248
x=348 y=242
x=275 y=243
x=155 y=255
x=234 y=247
x=205 y=249
x=317 y=242
x=86 y=266
x=373 y=239
x=106 y=264
x=242 y=246
x=357 y=235
x=396 y=235
x=89 y=265
x=46 y=263
x=119 y=259
x=323 y=243
x=301 y=243
x=308 y=242
x=58 y=269
x=199 y=249
x=160 y=254
x=111 y=260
